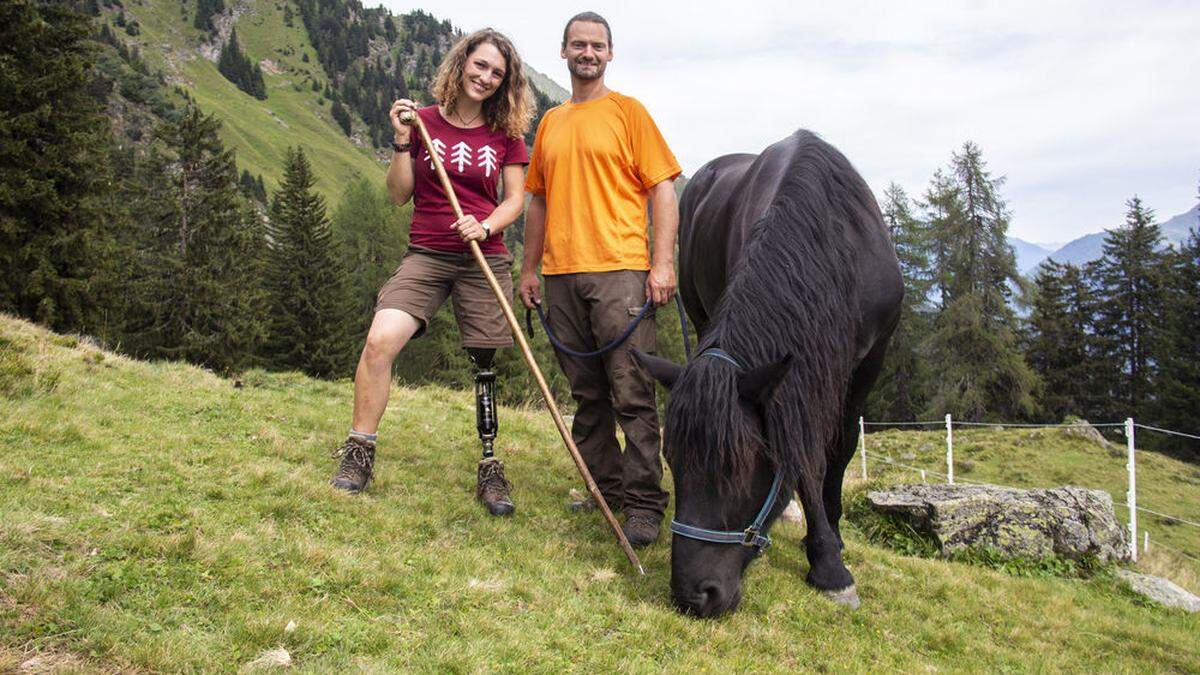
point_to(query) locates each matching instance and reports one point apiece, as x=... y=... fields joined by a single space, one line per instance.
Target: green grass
x=158 y=518
x=259 y=131
x=1053 y=458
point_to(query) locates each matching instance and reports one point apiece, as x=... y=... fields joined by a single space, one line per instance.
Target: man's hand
x=660 y=284
x=468 y=228
x=530 y=289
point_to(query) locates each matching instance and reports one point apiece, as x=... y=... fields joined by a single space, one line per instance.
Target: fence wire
x=889 y=461
x=1165 y=431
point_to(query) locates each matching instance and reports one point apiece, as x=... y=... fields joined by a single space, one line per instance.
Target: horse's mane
x=793 y=292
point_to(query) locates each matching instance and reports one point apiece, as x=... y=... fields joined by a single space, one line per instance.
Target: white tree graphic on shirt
x=487 y=159
x=440 y=148
x=461 y=155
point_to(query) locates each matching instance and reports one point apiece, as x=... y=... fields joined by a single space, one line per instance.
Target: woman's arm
x=506 y=212
x=400 y=172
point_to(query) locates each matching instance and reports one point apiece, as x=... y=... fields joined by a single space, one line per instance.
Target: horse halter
x=753 y=536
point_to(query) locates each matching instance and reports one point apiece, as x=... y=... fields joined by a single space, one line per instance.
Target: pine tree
x=372 y=237
x=1129 y=285
x=943 y=213
x=238 y=69
x=1178 y=382
x=340 y=115
x=313 y=320
x=205 y=9
x=54 y=142
x=1059 y=349
x=981 y=372
x=901 y=391
x=197 y=293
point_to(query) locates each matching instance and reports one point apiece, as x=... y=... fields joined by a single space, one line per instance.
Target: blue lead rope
x=687 y=347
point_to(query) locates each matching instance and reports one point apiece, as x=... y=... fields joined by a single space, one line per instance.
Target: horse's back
x=732 y=194
x=706 y=254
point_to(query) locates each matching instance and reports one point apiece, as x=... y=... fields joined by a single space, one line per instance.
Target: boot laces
x=356 y=458
x=492 y=476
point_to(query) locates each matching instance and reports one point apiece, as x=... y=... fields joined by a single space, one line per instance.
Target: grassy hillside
x=293 y=114
x=1054 y=457
x=157 y=517
x=259 y=131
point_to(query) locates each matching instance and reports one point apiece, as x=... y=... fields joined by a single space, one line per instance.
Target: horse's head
x=715 y=442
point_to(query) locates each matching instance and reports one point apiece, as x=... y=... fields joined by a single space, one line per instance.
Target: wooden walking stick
x=415 y=120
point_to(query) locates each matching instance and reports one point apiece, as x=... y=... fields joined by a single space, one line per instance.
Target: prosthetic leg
x=491 y=487
x=486 y=422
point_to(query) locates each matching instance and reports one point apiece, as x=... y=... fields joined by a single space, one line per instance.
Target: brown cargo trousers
x=587 y=311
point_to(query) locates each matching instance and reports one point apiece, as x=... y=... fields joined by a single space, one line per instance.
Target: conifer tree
x=372 y=237
x=197 y=293
x=53 y=168
x=981 y=372
x=238 y=69
x=1129 y=284
x=1178 y=383
x=340 y=115
x=312 y=311
x=205 y=9
x=901 y=391
x=1061 y=344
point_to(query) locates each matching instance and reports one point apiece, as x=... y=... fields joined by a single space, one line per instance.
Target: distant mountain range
x=1091 y=246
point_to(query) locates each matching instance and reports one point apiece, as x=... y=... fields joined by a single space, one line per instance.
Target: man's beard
x=577 y=70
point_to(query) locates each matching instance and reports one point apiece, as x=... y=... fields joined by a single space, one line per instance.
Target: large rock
x=1160 y=590
x=1067 y=522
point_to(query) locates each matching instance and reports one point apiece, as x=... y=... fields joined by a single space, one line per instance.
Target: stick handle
x=528 y=353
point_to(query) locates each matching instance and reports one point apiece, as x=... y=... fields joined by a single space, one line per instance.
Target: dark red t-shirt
x=473 y=159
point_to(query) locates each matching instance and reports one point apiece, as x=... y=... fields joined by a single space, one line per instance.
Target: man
x=597 y=160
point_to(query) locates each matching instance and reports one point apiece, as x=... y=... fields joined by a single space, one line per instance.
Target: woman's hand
x=470 y=229
x=401 y=128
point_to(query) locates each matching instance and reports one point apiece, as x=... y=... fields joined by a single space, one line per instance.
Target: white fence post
x=949 y=450
x=862 y=444
x=1131 y=495
x=1146 y=537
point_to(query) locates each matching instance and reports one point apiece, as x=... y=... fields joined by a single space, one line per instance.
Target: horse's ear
x=759 y=384
x=660 y=369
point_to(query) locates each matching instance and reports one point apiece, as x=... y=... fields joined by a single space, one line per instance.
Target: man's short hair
x=591 y=17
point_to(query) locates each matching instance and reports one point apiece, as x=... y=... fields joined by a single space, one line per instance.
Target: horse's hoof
x=847 y=596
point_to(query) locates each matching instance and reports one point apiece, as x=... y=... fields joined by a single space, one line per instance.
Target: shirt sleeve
x=515 y=152
x=535 y=182
x=653 y=158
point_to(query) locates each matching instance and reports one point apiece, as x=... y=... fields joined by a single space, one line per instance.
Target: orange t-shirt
x=595 y=162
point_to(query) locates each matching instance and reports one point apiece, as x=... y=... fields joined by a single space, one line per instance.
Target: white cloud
x=1080 y=104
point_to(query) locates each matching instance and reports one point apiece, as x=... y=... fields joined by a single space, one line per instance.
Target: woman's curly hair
x=510 y=108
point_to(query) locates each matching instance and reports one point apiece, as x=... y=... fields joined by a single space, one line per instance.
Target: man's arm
x=530 y=288
x=664 y=210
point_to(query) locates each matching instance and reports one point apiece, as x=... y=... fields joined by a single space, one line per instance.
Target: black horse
x=789 y=275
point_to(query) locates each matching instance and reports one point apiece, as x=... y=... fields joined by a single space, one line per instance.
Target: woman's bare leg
x=391 y=329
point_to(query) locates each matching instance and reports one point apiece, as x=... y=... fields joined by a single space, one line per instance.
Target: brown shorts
x=425 y=278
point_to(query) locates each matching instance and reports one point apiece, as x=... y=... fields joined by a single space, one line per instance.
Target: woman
x=483 y=109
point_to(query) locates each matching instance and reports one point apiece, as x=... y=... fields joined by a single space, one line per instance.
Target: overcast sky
x=1079 y=104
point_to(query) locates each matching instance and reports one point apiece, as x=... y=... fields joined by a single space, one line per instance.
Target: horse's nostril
x=711 y=595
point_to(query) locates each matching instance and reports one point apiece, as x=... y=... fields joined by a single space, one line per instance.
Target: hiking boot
x=356 y=467
x=641 y=529
x=491 y=487
x=585 y=502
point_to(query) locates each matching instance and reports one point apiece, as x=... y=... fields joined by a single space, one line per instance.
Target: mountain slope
x=259 y=131
x=160 y=518
x=297 y=111
x=1029 y=255
x=1091 y=246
